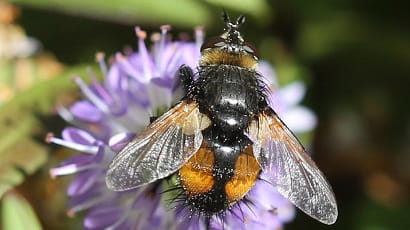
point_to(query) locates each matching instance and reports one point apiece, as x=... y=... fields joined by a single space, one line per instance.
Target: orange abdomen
x=213 y=180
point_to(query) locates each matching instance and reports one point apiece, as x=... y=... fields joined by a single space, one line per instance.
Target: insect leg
x=186 y=78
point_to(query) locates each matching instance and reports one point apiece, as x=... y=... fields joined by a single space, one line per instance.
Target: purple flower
x=136 y=86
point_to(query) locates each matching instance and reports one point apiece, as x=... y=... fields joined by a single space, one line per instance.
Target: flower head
x=137 y=86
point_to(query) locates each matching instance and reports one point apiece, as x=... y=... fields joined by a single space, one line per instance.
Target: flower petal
x=78 y=136
x=292 y=93
x=86 y=111
x=79 y=159
x=268 y=74
x=83 y=182
x=299 y=119
x=118 y=142
x=114 y=79
x=102 y=218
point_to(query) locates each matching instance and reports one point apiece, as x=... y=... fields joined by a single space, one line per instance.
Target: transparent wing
x=287 y=165
x=160 y=150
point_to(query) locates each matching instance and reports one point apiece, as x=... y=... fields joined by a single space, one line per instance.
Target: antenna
x=231 y=26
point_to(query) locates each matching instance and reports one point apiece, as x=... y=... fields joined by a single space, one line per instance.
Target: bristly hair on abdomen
x=180 y=202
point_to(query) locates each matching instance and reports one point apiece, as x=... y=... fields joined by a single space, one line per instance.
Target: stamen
x=165 y=28
x=90 y=203
x=128 y=68
x=91 y=73
x=161 y=47
x=100 y=89
x=69 y=169
x=128 y=210
x=91 y=95
x=172 y=65
x=72 y=145
x=155 y=37
x=118 y=222
x=65 y=114
x=70 y=214
x=100 y=58
x=143 y=51
x=199 y=36
x=141 y=34
x=164 y=31
x=120 y=57
x=48 y=137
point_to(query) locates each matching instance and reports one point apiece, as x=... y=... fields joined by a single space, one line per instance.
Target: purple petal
x=101 y=92
x=268 y=199
x=86 y=111
x=174 y=63
x=266 y=220
x=299 y=119
x=135 y=59
x=286 y=212
x=79 y=159
x=138 y=93
x=276 y=102
x=292 y=93
x=100 y=219
x=83 y=182
x=191 y=55
x=159 y=96
x=170 y=55
x=114 y=78
x=265 y=195
x=119 y=141
x=63 y=170
x=129 y=69
x=165 y=82
x=78 y=136
x=94 y=192
x=268 y=74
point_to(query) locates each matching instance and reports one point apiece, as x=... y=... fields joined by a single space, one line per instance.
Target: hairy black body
x=231 y=96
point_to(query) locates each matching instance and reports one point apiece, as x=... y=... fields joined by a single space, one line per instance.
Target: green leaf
x=259 y=9
x=20 y=154
x=17 y=213
x=289 y=72
x=178 y=12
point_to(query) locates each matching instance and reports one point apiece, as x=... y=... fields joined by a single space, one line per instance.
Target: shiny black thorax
x=230 y=95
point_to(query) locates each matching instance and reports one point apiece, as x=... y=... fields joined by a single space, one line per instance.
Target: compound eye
x=251 y=49
x=213 y=43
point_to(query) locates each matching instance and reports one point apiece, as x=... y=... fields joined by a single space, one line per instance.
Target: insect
x=221 y=136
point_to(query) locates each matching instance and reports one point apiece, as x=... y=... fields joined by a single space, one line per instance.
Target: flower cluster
x=136 y=86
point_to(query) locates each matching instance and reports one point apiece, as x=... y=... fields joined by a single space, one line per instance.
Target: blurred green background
x=353 y=55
